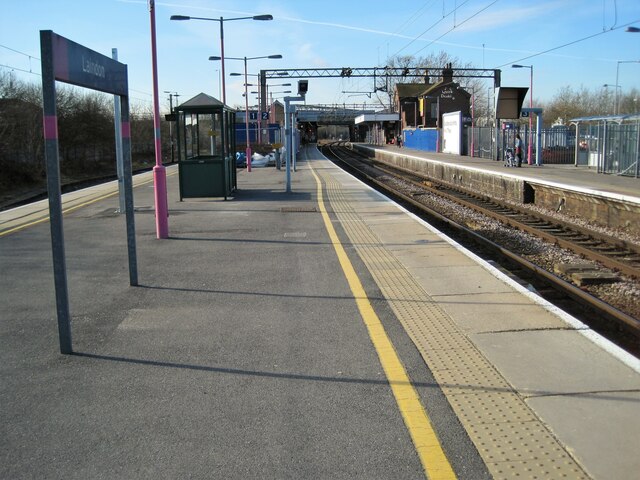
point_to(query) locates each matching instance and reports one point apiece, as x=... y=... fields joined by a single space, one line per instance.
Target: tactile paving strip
x=510 y=438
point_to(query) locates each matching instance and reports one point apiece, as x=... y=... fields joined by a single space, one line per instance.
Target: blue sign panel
x=78 y=65
x=265 y=115
x=253 y=115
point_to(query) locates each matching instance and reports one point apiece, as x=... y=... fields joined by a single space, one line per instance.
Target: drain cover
x=298 y=209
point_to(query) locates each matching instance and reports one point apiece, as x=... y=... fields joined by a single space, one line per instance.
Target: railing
x=482 y=146
x=608 y=147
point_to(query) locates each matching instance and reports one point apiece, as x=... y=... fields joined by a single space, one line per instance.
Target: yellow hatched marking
x=70 y=209
x=427 y=445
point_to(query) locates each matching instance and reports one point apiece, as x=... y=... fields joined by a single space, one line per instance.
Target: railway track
x=612 y=254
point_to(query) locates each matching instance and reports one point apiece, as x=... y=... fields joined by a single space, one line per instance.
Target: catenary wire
x=568 y=43
x=455 y=26
x=433 y=25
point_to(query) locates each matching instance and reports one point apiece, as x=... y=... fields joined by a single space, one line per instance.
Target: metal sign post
x=73 y=63
x=118 y=132
x=288 y=131
x=538 y=112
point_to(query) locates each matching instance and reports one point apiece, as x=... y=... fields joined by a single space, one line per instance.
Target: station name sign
x=81 y=66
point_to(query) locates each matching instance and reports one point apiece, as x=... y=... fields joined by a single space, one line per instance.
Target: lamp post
x=266 y=91
x=530 y=67
x=234 y=74
x=615 y=105
x=617 y=109
x=246 y=98
x=473 y=101
x=266 y=96
x=259 y=108
x=222 y=20
x=159 y=172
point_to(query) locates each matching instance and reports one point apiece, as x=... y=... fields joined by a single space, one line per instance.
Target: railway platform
x=322 y=333
x=581 y=178
x=609 y=200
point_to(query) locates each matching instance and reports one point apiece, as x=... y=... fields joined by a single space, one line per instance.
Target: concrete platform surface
x=242 y=353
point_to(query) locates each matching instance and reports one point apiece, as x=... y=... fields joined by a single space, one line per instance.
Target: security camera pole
x=288 y=130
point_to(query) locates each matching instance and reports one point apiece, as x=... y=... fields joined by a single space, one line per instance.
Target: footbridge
x=312 y=117
x=331 y=114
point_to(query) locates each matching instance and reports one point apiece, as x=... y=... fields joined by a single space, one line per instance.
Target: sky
x=577 y=43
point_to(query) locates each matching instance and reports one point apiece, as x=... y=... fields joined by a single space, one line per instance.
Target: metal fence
x=609 y=147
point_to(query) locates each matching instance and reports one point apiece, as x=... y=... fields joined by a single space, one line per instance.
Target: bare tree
x=572 y=102
x=433 y=64
x=630 y=102
x=21 y=140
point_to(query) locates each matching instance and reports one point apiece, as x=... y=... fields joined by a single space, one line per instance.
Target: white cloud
x=492 y=20
x=307 y=56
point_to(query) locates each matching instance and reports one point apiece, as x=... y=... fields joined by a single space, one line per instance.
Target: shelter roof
x=200 y=101
x=608 y=118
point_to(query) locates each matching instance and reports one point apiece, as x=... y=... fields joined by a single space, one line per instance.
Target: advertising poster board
x=452 y=133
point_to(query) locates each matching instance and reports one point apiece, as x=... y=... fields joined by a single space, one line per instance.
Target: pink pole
x=529 y=160
x=259 y=114
x=159 y=173
x=246 y=116
x=473 y=98
x=224 y=90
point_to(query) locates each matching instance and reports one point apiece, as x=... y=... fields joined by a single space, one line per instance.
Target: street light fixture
x=267 y=85
x=529 y=141
x=246 y=97
x=222 y=20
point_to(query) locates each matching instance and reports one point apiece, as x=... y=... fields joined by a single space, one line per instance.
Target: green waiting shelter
x=206 y=148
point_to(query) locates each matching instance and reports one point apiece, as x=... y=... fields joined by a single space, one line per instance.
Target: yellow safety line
x=433 y=458
x=70 y=209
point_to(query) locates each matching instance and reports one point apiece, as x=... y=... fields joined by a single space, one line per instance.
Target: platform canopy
x=377 y=117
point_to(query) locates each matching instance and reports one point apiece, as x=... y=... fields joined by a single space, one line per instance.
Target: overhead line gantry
x=369 y=72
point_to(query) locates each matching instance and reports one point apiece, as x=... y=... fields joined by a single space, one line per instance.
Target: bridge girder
x=371 y=72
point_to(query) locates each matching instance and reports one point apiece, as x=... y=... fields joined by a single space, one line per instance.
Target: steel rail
x=628 y=268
